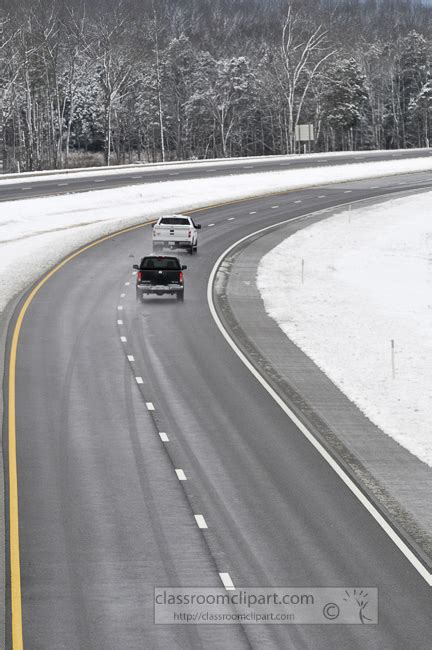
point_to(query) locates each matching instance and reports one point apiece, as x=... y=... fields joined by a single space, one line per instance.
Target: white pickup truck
x=175 y=231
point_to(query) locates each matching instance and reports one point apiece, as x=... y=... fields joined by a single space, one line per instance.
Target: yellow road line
x=15 y=570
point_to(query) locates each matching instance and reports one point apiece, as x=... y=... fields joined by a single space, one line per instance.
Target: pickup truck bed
x=159 y=275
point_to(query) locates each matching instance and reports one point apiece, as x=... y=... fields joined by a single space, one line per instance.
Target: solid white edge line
x=163 y=436
x=150 y=406
x=201 y=522
x=180 y=475
x=139 y=380
x=392 y=534
x=226 y=581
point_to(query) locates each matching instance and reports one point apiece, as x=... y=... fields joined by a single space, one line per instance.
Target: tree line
x=158 y=80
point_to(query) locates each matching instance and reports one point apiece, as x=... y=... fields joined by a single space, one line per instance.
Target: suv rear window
x=174 y=221
x=164 y=263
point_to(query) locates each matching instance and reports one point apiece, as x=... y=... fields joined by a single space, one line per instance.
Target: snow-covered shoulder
x=367 y=282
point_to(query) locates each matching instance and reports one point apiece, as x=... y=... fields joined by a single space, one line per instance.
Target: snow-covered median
x=367 y=281
x=46 y=229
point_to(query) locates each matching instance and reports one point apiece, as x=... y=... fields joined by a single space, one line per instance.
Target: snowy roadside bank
x=367 y=281
x=47 y=229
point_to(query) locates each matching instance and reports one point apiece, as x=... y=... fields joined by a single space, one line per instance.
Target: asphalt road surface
x=104 y=517
x=100 y=180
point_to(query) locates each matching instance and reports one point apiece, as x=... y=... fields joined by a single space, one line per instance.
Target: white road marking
x=127 y=284
x=299 y=201
x=134 y=272
x=347 y=191
x=163 y=436
x=62 y=184
x=226 y=581
x=139 y=380
x=254 y=212
x=119 y=322
x=122 y=295
x=26 y=188
x=135 y=177
x=274 y=206
x=210 y=170
x=247 y=166
x=150 y=406
x=120 y=308
x=181 y=475
x=130 y=357
x=374 y=187
x=100 y=180
x=174 y=173
x=123 y=339
x=201 y=522
x=231 y=219
x=322 y=196
x=368 y=505
x=210 y=225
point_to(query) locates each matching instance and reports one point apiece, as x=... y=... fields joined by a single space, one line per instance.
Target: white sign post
x=304 y=133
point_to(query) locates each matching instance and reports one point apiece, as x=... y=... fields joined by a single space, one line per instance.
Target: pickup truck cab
x=158 y=275
x=175 y=231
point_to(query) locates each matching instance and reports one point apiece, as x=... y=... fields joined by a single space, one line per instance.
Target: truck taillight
x=181 y=277
x=139 y=276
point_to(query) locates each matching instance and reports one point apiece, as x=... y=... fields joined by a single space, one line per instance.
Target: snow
x=51 y=227
x=367 y=281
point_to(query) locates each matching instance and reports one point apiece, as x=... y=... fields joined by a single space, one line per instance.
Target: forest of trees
x=112 y=82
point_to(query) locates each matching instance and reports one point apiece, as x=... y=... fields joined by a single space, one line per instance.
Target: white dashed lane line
x=210 y=225
x=120 y=308
x=62 y=184
x=274 y=206
x=230 y=218
x=131 y=357
x=122 y=295
x=127 y=284
x=299 y=201
x=26 y=188
x=139 y=380
x=181 y=475
x=226 y=581
x=123 y=339
x=163 y=436
x=174 y=174
x=201 y=522
x=150 y=406
x=100 y=180
x=119 y=322
x=252 y=212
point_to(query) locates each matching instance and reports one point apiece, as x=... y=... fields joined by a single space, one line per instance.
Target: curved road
x=103 y=516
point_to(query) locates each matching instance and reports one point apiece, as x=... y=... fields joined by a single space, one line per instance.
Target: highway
x=103 y=516
x=97 y=180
